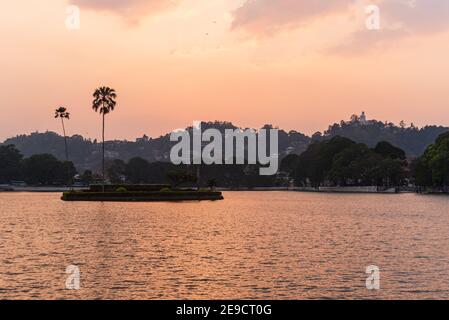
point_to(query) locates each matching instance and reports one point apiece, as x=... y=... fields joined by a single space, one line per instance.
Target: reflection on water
x=265 y=245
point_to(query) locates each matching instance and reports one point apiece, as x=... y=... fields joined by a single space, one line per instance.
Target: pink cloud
x=261 y=16
x=399 y=19
x=130 y=9
x=267 y=16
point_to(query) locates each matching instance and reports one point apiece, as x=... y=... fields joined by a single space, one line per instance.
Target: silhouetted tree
x=116 y=171
x=137 y=170
x=104 y=102
x=432 y=168
x=10 y=163
x=212 y=183
x=342 y=162
x=45 y=169
x=87 y=177
x=179 y=176
x=386 y=149
x=62 y=114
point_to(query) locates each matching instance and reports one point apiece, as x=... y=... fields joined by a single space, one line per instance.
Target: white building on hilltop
x=362 y=118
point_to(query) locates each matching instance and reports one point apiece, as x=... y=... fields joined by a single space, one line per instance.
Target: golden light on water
x=255 y=245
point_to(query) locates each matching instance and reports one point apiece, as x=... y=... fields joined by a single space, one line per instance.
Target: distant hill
x=411 y=139
x=86 y=153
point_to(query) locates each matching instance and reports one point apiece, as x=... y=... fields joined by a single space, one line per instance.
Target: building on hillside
x=362 y=118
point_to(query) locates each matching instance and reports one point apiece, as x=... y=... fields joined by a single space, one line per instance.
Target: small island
x=140 y=193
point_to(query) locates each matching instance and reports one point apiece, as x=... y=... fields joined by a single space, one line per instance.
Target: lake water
x=252 y=245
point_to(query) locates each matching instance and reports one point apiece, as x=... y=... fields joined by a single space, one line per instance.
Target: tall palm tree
x=62 y=113
x=104 y=102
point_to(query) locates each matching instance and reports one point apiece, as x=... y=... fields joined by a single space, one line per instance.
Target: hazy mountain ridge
x=86 y=153
x=411 y=139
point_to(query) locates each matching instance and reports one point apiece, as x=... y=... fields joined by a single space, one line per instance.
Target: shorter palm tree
x=62 y=113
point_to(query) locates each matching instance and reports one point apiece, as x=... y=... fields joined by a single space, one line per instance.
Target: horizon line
x=221 y=122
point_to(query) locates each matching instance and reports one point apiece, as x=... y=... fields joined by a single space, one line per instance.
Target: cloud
x=362 y=41
x=399 y=19
x=268 y=16
x=417 y=15
x=132 y=10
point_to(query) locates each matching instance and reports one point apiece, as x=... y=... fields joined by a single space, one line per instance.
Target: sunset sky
x=296 y=64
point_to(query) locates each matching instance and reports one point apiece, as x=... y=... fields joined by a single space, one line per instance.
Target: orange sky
x=293 y=63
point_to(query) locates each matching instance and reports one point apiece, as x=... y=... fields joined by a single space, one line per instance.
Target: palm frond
x=104 y=100
x=61 y=112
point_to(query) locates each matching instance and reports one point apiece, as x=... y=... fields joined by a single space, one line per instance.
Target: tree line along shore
x=335 y=162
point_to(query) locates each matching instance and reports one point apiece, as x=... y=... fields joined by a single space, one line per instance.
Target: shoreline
x=334 y=190
x=40 y=189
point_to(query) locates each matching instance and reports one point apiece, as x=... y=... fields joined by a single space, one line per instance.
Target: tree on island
x=212 y=183
x=115 y=171
x=104 y=102
x=87 y=177
x=62 y=114
x=180 y=176
x=137 y=170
